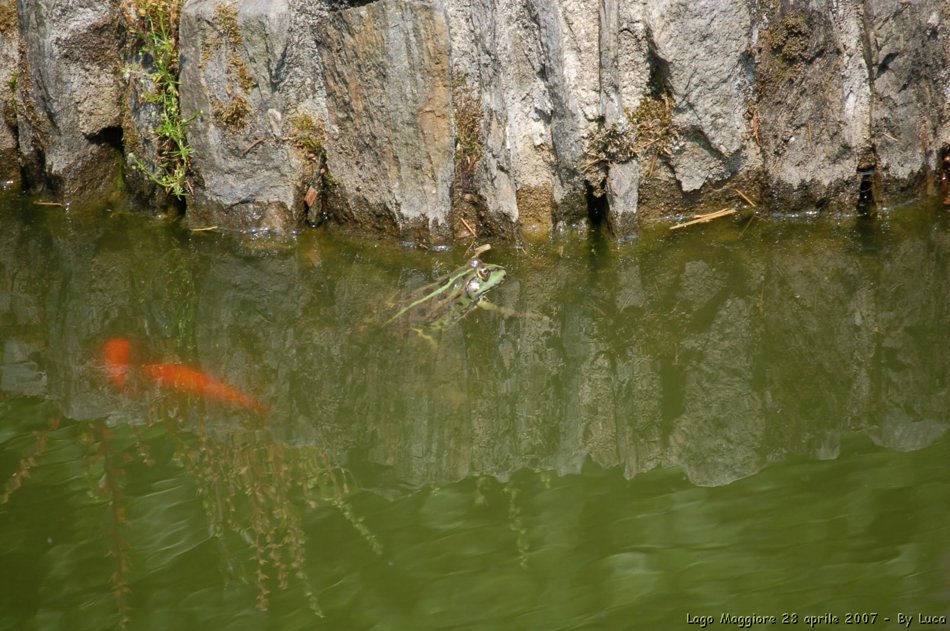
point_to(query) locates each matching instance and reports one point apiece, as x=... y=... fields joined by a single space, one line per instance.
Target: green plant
x=153 y=25
x=308 y=136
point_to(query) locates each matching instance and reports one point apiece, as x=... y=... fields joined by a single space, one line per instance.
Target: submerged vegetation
x=647 y=133
x=153 y=27
x=254 y=491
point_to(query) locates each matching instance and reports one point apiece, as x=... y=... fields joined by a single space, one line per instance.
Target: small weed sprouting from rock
x=606 y=146
x=469 y=147
x=647 y=134
x=468 y=128
x=153 y=26
x=655 y=132
x=308 y=136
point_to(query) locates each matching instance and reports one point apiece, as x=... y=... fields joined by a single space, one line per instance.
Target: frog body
x=451 y=297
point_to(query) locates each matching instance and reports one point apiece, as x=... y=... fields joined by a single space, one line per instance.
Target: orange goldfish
x=117 y=354
x=185 y=379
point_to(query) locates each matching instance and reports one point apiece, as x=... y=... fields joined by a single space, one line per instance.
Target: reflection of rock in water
x=720 y=435
x=21 y=374
x=715 y=353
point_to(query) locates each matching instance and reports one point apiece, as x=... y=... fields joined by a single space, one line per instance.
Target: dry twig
x=725 y=212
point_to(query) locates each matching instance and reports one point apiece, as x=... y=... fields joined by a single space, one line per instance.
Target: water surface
x=742 y=418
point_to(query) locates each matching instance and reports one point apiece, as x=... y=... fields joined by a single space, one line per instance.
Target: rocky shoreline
x=432 y=120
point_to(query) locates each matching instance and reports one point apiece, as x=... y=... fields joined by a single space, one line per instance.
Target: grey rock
x=235 y=78
x=357 y=107
x=623 y=189
x=702 y=50
x=391 y=140
x=907 y=54
x=68 y=97
x=9 y=41
x=814 y=105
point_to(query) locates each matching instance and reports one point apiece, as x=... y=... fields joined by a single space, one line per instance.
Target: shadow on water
x=617 y=406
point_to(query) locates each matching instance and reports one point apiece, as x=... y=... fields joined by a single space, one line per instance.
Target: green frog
x=451 y=297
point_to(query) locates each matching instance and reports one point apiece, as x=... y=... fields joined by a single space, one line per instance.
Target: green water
x=739 y=418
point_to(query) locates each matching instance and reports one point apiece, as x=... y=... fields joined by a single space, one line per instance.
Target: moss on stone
x=225 y=16
x=239 y=82
x=8 y=16
x=233 y=114
x=783 y=52
x=789 y=39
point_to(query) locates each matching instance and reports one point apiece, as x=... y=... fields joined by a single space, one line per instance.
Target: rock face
x=68 y=94
x=241 y=72
x=9 y=41
x=429 y=119
x=389 y=111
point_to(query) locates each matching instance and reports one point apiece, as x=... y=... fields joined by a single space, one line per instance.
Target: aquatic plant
x=28 y=461
x=254 y=491
x=107 y=483
x=153 y=28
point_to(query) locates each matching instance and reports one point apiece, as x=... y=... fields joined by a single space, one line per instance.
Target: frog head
x=486 y=276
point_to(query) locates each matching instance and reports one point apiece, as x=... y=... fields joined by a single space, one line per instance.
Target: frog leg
x=428 y=338
x=490 y=306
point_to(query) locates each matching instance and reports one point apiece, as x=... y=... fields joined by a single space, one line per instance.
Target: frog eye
x=482 y=272
x=475 y=264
